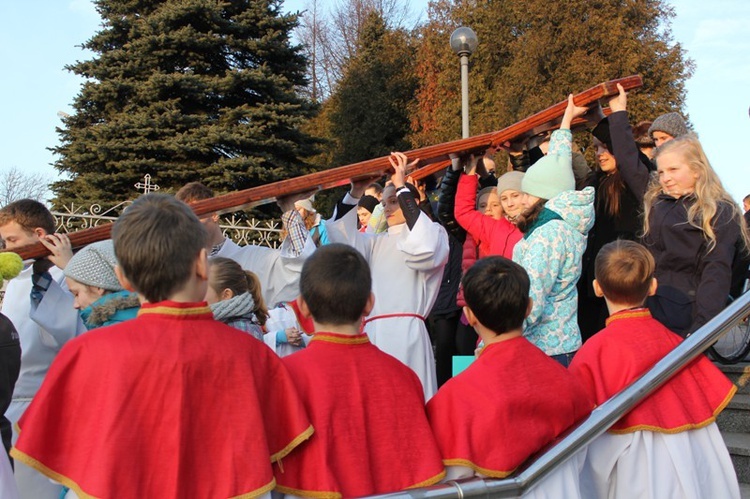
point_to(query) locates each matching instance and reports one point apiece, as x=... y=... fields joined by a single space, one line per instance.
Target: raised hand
x=619 y=102
x=571 y=112
x=59 y=247
x=400 y=164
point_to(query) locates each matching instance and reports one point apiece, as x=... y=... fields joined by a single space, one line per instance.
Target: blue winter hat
x=549 y=176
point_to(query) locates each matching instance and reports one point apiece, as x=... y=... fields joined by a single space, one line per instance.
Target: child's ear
x=124 y=281
x=598 y=289
x=470 y=317
x=303 y=308
x=529 y=307
x=201 y=265
x=653 y=286
x=369 y=305
x=227 y=294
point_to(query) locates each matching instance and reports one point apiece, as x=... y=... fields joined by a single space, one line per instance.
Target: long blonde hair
x=709 y=192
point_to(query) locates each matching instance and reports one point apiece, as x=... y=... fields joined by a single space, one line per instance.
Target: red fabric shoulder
x=184 y=403
x=512 y=389
x=372 y=434
x=629 y=346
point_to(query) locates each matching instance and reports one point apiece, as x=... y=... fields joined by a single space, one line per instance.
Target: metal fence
x=242 y=231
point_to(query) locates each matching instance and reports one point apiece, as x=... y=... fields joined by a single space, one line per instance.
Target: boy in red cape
x=669 y=444
x=171 y=404
x=513 y=400
x=371 y=431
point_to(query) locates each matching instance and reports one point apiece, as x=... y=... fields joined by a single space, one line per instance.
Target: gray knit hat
x=670 y=123
x=94 y=265
x=509 y=181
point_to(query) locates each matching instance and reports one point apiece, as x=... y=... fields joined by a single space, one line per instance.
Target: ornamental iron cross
x=146 y=185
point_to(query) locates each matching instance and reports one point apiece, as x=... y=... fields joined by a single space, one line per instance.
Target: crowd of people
x=171 y=362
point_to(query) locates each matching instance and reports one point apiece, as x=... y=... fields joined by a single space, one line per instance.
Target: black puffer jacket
x=446 y=203
x=10 y=365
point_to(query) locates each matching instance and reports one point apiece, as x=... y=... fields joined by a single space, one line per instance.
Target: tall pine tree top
x=185 y=90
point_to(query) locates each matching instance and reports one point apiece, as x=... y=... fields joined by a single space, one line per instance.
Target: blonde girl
x=691 y=226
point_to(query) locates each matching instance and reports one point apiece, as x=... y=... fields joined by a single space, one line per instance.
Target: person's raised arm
x=447 y=197
x=634 y=172
x=561 y=141
x=571 y=112
x=406 y=200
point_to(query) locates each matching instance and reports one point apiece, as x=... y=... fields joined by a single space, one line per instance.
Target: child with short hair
x=669 y=444
x=376 y=223
x=235 y=298
x=513 y=400
x=174 y=397
x=407 y=264
x=372 y=434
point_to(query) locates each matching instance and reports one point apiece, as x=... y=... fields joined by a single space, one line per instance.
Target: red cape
x=371 y=432
x=508 y=404
x=629 y=346
x=305 y=323
x=171 y=404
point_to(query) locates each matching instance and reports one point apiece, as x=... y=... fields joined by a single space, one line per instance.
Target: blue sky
x=38 y=37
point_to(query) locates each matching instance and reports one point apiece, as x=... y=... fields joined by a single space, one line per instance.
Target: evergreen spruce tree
x=185 y=90
x=368 y=113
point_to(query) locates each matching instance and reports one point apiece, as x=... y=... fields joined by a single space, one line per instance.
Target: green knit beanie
x=549 y=176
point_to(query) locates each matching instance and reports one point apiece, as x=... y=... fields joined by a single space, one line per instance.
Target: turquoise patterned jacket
x=552 y=257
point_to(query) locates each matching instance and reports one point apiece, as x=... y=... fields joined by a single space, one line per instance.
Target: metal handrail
x=600 y=420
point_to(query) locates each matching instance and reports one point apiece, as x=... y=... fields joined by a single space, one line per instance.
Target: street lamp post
x=464 y=42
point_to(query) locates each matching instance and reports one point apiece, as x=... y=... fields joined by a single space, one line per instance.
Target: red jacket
x=495 y=237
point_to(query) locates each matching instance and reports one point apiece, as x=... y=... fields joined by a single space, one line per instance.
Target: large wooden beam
x=432 y=158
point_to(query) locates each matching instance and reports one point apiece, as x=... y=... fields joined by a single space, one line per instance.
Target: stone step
x=739 y=450
x=745 y=491
x=735 y=418
x=739 y=374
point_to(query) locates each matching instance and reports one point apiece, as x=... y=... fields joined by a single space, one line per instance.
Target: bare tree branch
x=331 y=37
x=15 y=185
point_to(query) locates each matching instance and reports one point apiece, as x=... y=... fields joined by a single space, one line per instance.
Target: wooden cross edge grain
x=432 y=159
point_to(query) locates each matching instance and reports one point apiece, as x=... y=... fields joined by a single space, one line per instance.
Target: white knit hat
x=94 y=265
x=306 y=204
